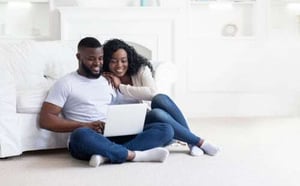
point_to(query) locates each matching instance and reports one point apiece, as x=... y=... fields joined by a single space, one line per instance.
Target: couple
x=109 y=74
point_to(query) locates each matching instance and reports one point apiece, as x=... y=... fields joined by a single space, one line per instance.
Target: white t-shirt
x=82 y=99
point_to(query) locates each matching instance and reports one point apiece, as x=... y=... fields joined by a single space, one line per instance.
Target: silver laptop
x=125 y=119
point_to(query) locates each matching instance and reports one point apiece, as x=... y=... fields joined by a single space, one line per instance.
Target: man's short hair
x=88 y=42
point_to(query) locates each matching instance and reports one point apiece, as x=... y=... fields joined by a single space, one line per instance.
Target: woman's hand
x=112 y=79
x=98 y=126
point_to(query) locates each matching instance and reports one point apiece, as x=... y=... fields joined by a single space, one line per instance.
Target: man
x=82 y=98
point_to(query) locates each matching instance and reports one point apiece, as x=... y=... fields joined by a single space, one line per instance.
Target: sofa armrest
x=10 y=136
x=165 y=76
x=7 y=91
x=9 y=133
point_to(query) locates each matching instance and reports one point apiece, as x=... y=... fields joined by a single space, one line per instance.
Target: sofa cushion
x=30 y=101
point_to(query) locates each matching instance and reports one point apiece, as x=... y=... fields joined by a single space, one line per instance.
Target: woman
x=131 y=74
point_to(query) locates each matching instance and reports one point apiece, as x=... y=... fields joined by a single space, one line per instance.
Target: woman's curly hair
x=135 y=60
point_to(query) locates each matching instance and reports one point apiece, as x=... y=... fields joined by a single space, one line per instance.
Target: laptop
x=125 y=119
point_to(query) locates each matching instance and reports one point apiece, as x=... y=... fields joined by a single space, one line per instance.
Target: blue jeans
x=85 y=142
x=166 y=111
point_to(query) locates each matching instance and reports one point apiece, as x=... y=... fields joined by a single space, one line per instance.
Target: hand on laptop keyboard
x=97 y=126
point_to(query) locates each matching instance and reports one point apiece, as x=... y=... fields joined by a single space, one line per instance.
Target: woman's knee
x=153 y=112
x=163 y=102
x=158 y=98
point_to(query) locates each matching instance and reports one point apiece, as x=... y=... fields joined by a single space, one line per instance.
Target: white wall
x=254 y=73
x=24 y=21
x=245 y=78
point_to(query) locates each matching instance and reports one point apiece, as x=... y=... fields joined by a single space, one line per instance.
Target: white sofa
x=28 y=69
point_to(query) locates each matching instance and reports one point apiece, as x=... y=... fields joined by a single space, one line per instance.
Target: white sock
x=158 y=154
x=209 y=148
x=96 y=160
x=195 y=150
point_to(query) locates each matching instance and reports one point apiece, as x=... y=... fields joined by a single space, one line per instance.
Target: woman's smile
x=118 y=64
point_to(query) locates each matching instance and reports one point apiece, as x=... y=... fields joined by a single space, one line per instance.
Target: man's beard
x=89 y=73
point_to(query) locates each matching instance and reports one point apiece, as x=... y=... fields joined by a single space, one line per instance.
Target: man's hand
x=98 y=126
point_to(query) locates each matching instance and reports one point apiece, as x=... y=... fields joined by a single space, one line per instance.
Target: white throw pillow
x=60 y=57
x=26 y=64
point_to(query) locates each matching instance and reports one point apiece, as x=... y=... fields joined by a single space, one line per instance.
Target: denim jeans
x=166 y=111
x=85 y=142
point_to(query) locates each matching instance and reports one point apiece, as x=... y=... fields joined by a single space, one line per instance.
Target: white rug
x=254 y=152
